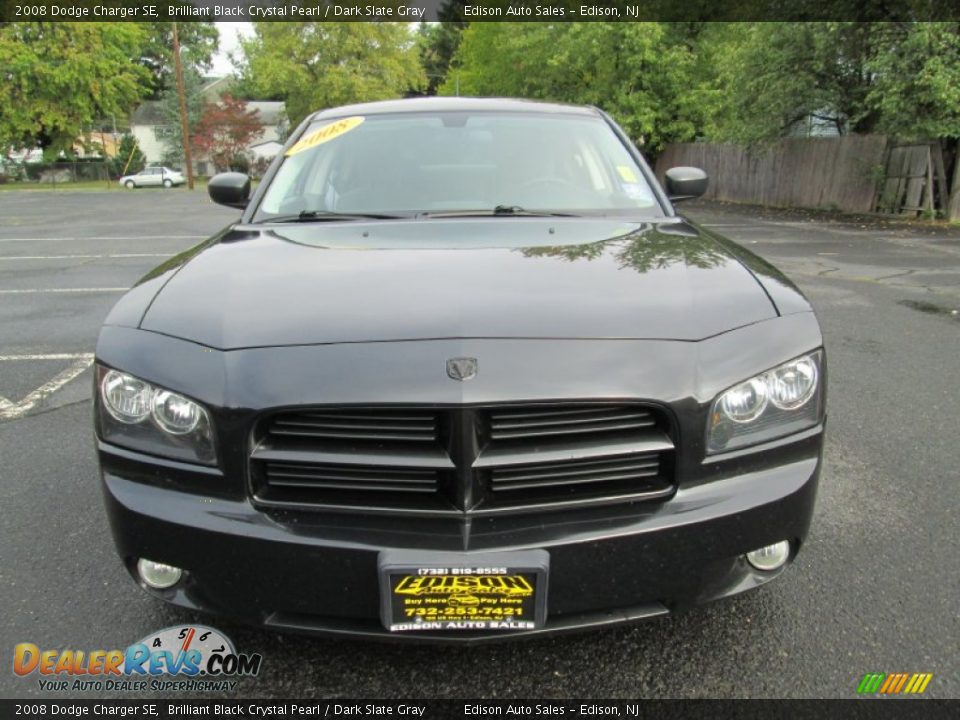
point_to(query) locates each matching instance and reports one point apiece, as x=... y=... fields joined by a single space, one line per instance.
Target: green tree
x=198 y=44
x=438 y=43
x=635 y=71
x=775 y=75
x=916 y=85
x=312 y=66
x=171 y=133
x=128 y=159
x=59 y=78
x=901 y=78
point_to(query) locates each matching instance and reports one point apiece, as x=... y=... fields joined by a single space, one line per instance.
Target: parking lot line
x=48 y=356
x=83 y=257
x=10 y=410
x=29 y=291
x=111 y=237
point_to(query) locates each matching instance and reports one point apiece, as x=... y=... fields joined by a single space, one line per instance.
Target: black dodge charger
x=459 y=372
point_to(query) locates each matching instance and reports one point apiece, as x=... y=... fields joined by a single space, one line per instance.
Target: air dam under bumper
x=318 y=574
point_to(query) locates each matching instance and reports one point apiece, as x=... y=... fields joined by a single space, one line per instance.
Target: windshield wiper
x=328 y=215
x=499 y=210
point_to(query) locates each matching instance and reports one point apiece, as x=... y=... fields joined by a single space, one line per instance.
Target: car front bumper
x=318 y=574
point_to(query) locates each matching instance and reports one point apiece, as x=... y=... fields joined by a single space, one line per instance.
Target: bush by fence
x=57 y=172
x=838 y=173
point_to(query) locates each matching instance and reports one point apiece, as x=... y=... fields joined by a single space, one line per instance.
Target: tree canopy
x=629 y=69
x=59 y=78
x=225 y=130
x=198 y=43
x=312 y=65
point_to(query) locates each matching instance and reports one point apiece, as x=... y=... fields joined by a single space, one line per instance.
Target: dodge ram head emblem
x=462 y=368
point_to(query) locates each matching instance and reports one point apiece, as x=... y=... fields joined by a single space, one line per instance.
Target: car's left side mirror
x=230 y=188
x=686 y=183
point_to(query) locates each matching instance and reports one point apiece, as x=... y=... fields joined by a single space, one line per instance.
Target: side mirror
x=231 y=189
x=686 y=183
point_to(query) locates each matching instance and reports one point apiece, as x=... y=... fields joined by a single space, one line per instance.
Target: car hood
x=258 y=286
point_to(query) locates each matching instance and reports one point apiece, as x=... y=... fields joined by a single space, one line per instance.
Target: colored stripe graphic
x=894 y=683
x=870 y=683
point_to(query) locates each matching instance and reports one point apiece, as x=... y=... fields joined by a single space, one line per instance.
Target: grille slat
x=352 y=478
x=546 y=431
x=555 y=475
x=515 y=424
x=556 y=470
x=510 y=424
x=463 y=459
x=555 y=483
x=356 y=426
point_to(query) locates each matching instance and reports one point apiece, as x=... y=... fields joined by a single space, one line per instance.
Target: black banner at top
x=479 y=10
x=418 y=709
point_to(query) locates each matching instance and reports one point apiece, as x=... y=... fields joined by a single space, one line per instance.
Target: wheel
x=168 y=183
x=130 y=184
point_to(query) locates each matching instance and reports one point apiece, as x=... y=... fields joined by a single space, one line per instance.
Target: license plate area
x=424 y=591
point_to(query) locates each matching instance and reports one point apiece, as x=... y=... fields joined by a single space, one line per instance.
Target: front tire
x=168 y=183
x=130 y=184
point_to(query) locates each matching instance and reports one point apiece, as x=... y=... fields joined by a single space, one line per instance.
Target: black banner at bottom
x=474 y=709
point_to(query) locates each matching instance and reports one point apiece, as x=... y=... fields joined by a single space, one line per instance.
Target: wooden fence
x=837 y=173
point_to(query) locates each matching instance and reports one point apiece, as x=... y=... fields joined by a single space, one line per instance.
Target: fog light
x=770 y=557
x=157 y=575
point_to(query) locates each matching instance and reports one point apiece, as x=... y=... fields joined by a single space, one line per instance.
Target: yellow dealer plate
x=328 y=132
x=462 y=596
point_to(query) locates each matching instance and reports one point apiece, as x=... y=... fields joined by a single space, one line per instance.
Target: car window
x=414 y=163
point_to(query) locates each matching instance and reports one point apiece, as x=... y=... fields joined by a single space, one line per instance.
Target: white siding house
x=148 y=125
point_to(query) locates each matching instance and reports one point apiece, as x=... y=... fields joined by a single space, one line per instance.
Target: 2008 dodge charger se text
x=459 y=372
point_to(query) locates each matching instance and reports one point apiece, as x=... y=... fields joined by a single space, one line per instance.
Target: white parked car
x=153 y=177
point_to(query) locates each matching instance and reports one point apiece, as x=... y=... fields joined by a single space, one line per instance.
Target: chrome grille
x=463 y=459
x=526 y=423
x=380 y=426
x=350 y=477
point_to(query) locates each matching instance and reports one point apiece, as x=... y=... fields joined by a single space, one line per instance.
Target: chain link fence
x=57 y=173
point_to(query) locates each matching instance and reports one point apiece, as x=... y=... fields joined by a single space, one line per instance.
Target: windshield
x=421 y=164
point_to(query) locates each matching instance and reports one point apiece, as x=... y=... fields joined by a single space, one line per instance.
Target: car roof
x=454 y=104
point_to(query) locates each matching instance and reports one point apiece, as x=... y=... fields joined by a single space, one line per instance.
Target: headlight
x=137 y=415
x=781 y=401
x=126 y=398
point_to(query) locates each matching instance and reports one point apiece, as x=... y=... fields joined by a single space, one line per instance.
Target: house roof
x=270 y=113
x=151 y=112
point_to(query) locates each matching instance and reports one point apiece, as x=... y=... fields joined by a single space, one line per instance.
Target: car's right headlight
x=137 y=415
x=778 y=402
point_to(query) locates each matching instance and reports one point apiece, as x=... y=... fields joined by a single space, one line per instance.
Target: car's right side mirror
x=686 y=183
x=230 y=188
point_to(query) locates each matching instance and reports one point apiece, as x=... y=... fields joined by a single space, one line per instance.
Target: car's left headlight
x=140 y=416
x=778 y=402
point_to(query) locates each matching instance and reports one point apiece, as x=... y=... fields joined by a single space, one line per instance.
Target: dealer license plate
x=442 y=592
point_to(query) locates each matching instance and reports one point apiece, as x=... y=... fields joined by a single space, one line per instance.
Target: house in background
x=149 y=125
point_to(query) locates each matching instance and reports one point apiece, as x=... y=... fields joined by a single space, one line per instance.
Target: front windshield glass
x=412 y=164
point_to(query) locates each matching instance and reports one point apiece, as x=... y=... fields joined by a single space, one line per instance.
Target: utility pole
x=182 y=94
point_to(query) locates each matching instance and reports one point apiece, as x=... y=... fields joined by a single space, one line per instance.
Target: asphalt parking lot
x=875 y=589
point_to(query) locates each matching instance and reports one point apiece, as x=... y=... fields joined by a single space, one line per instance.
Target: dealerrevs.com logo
x=188 y=658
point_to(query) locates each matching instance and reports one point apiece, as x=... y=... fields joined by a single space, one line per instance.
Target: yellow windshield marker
x=626 y=173
x=325 y=134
